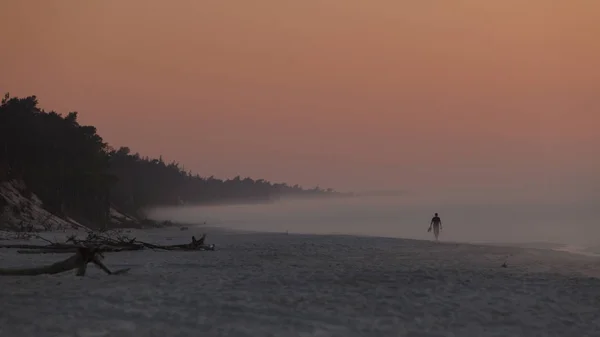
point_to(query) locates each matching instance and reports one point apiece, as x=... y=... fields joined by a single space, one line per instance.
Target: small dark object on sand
x=183 y=228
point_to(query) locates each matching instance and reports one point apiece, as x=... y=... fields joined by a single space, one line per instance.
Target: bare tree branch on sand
x=90 y=250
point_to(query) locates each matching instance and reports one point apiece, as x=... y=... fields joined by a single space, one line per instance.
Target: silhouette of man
x=436 y=223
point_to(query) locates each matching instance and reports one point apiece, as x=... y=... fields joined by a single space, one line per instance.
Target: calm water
x=400 y=217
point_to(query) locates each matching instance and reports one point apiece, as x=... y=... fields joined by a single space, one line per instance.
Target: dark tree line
x=74 y=172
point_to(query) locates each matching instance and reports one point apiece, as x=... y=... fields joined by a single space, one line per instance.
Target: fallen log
x=109 y=247
x=50 y=246
x=91 y=250
x=79 y=261
x=62 y=250
x=47 y=251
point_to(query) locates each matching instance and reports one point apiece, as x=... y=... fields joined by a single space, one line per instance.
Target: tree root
x=79 y=261
x=108 y=246
x=91 y=250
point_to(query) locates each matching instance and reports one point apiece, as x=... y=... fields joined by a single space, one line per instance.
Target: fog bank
x=567 y=223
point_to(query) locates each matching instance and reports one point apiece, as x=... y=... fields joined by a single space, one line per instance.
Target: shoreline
x=554 y=247
x=214 y=230
x=341 y=285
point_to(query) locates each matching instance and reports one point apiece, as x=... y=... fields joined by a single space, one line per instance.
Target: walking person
x=436 y=224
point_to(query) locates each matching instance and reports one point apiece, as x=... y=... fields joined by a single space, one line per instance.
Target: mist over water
x=475 y=222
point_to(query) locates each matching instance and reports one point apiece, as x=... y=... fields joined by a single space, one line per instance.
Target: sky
x=464 y=97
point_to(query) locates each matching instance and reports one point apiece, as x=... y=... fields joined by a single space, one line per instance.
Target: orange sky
x=486 y=95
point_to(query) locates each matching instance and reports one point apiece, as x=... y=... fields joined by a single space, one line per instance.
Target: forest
x=75 y=173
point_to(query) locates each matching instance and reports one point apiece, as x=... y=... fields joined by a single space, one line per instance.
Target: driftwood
x=107 y=245
x=91 y=249
x=79 y=261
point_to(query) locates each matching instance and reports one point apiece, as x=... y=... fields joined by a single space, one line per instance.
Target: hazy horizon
x=401 y=217
x=463 y=100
